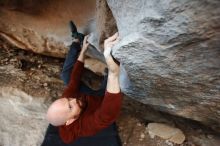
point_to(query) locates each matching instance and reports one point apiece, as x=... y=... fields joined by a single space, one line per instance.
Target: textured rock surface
x=170 y=50
x=22 y=118
x=42 y=26
x=106 y=25
x=166 y=132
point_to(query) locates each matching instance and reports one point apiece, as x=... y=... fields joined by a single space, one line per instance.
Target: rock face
x=106 y=24
x=22 y=117
x=166 y=132
x=42 y=26
x=170 y=50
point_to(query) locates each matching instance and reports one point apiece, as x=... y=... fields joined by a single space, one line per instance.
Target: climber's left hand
x=111 y=63
x=85 y=44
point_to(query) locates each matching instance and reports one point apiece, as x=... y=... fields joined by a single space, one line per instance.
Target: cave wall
x=42 y=26
x=171 y=52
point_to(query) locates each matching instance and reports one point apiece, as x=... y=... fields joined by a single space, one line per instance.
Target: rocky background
x=169 y=49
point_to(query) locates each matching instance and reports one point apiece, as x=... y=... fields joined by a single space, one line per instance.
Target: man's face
x=73 y=108
x=63 y=111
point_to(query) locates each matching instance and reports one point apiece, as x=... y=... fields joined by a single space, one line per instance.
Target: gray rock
x=105 y=27
x=22 y=116
x=167 y=132
x=171 y=52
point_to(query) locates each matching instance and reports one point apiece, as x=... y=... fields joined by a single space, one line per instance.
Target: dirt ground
x=39 y=76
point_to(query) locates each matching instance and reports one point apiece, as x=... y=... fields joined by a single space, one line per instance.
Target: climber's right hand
x=108 y=45
x=83 y=50
x=85 y=44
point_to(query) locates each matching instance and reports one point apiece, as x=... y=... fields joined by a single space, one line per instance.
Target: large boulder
x=170 y=50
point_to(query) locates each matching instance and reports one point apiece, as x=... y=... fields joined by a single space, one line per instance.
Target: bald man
x=82 y=118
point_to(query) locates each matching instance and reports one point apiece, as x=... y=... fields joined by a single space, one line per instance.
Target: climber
x=83 y=116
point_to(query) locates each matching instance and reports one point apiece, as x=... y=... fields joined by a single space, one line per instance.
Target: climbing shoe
x=75 y=33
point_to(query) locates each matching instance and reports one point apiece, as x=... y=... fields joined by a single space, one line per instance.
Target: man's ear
x=68 y=122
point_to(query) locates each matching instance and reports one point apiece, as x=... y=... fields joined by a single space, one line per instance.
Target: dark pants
x=107 y=137
x=67 y=69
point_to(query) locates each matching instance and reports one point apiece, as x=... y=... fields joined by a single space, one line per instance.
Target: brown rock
x=42 y=26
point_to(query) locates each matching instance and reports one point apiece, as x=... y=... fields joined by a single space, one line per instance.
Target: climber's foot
x=72 y=27
x=75 y=34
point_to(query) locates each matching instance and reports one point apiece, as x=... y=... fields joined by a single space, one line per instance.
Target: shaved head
x=62 y=111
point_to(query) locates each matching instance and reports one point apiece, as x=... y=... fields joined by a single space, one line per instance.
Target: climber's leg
x=73 y=53
x=69 y=62
x=67 y=69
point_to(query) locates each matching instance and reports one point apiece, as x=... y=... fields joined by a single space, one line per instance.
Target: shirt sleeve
x=103 y=116
x=73 y=86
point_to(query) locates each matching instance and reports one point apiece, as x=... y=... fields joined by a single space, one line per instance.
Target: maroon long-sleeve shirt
x=99 y=113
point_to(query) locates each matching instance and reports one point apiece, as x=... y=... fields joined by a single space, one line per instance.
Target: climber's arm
x=73 y=86
x=81 y=57
x=109 y=110
x=113 y=66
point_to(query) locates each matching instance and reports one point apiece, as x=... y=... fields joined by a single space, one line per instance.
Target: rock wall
x=170 y=50
x=42 y=26
x=22 y=118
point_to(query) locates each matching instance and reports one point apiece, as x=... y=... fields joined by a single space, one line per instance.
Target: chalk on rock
x=166 y=132
x=93 y=40
x=124 y=79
